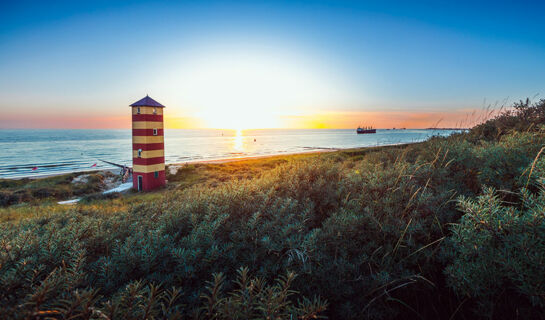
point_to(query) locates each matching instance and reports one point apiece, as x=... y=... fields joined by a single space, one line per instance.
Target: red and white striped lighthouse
x=148 y=145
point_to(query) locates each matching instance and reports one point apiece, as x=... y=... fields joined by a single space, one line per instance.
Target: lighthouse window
x=139 y=153
x=138 y=110
x=156 y=174
x=154 y=110
x=154 y=132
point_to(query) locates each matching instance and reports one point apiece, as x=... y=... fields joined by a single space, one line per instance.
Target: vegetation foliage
x=450 y=228
x=56 y=188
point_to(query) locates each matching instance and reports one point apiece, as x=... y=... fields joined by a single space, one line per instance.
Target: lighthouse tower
x=148 y=144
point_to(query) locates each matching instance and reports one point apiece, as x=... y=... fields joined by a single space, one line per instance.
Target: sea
x=36 y=153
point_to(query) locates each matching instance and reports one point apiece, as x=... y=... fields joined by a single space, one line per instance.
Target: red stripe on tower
x=147 y=132
x=147 y=117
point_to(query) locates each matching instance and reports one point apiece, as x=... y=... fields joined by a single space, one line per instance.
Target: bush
x=522 y=117
x=498 y=255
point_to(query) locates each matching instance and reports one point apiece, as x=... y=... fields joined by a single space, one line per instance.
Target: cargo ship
x=362 y=130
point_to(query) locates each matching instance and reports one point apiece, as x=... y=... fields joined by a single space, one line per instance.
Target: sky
x=267 y=64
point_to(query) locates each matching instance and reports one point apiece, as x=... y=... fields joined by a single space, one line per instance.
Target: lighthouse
x=148 y=145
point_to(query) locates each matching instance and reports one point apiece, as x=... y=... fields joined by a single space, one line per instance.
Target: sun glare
x=249 y=91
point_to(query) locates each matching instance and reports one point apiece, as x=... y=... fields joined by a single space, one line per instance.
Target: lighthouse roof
x=147 y=102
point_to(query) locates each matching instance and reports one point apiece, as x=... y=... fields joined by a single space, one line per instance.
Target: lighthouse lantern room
x=148 y=144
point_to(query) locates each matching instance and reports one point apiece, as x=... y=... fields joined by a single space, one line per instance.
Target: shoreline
x=265 y=156
x=176 y=165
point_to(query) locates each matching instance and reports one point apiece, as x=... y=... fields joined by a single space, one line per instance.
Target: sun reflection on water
x=238 y=141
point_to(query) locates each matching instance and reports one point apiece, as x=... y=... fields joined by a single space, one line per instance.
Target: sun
x=248 y=90
x=240 y=95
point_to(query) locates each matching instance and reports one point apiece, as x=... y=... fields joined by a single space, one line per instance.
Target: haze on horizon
x=251 y=64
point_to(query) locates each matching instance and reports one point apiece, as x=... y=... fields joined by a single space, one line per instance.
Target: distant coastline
x=461 y=129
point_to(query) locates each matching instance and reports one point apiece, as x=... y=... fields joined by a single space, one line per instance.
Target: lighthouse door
x=139 y=183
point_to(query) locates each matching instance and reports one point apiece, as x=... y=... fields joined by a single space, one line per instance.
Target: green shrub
x=522 y=117
x=498 y=255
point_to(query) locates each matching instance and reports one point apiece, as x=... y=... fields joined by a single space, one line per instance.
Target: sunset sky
x=251 y=64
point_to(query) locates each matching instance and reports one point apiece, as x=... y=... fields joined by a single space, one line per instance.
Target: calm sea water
x=63 y=151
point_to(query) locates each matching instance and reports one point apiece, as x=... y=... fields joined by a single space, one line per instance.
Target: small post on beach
x=148 y=145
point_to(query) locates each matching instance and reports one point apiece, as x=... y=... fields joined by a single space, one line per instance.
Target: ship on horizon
x=363 y=130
